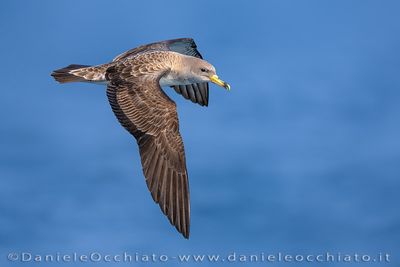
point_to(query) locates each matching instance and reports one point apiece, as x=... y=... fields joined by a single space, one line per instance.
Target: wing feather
x=152 y=119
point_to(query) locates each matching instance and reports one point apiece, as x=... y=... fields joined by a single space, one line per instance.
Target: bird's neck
x=179 y=72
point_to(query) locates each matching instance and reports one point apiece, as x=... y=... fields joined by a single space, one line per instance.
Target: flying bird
x=134 y=80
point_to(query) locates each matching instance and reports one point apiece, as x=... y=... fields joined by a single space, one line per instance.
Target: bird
x=134 y=82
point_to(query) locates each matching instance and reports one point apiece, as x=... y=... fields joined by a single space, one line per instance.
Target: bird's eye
x=203 y=70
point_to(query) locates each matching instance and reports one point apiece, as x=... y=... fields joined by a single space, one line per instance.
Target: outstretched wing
x=198 y=92
x=150 y=116
x=185 y=46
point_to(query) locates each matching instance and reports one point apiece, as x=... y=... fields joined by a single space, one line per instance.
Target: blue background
x=302 y=156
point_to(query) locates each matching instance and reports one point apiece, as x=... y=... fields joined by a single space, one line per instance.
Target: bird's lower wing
x=152 y=119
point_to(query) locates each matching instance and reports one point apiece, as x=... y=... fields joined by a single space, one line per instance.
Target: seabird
x=134 y=80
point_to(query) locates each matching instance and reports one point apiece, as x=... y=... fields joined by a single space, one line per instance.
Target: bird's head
x=203 y=71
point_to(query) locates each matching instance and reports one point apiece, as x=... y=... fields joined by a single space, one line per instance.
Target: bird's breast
x=172 y=79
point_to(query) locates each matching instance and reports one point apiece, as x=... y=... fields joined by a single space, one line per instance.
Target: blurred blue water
x=302 y=156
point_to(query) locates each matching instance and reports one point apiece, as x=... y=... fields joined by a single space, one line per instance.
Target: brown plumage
x=196 y=92
x=142 y=108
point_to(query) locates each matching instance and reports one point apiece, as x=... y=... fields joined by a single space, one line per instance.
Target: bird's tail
x=65 y=75
x=81 y=73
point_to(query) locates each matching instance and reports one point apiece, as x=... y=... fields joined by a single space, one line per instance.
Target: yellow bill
x=214 y=78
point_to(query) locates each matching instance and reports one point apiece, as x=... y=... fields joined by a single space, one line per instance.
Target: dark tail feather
x=63 y=75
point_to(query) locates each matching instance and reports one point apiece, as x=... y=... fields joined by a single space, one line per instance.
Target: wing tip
x=185 y=235
x=197 y=93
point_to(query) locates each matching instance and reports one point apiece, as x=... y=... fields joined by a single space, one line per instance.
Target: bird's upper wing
x=197 y=92
x=185 y=46
x=150 y=116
